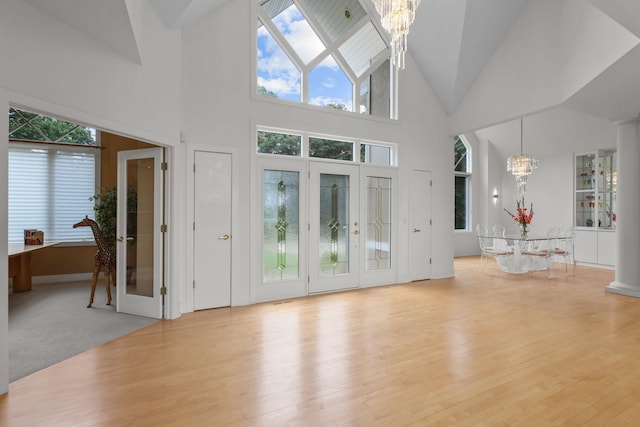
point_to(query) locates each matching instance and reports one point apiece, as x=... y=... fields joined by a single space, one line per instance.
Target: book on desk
x=33 y=237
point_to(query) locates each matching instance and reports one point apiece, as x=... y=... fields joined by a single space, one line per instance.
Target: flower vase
x=523 y=230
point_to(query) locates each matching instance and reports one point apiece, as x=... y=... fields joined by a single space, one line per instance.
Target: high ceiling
x=452 y=41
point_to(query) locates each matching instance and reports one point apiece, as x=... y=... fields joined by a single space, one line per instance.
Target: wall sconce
x=495 y=196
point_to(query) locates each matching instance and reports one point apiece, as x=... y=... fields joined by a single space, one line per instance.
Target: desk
x=20 y=264
x=516 y=254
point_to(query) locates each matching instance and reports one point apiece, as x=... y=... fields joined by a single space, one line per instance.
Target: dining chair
x=489 y=245
x=564 y=248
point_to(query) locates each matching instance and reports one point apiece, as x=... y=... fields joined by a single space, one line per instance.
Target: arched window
x=326 y=53
x=462 y=172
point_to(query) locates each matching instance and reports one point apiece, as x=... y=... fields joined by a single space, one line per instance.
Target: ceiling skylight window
x=298 y=33
x=365 y=45
x=330 y=87
x=318 y=51
x=278 y=77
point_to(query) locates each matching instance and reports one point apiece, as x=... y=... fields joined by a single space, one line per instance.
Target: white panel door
x=212 y=230
x=420 y=225
x=140 y=242
x=334 y=227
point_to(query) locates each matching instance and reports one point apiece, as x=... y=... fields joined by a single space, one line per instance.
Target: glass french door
x=325 y=227
x=139 y=261
x=334 y=227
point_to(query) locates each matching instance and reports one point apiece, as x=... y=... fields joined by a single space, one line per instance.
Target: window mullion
x=280 y=39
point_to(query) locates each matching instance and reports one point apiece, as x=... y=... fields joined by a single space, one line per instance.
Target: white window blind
x=50 y=189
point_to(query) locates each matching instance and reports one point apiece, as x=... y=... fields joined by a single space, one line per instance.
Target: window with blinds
x=50 y=189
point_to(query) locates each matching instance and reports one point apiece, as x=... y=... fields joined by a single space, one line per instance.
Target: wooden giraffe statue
x=105 y=258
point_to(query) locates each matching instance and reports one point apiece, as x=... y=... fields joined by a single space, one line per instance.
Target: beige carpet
x=51 y=323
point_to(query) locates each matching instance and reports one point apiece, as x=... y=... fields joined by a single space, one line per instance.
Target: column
x=627 y=278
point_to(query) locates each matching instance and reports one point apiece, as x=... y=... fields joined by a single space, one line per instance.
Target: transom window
x=326 y=53
x=51 y=176
x=314 y=146
x=462 y=172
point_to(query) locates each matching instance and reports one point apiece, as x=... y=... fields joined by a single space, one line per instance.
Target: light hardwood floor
x=474 y=350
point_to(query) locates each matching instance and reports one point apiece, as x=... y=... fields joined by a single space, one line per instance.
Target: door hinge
x=163 y=290
x=163 y=228
x=308 y=279
x=430 y=183
x=430 y=222
x=194 y=284
x=194 y=168
x=164 y=166
x=429 y=261
x=194 y=226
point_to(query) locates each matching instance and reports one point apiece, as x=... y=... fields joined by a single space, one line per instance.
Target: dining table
x=518 y=254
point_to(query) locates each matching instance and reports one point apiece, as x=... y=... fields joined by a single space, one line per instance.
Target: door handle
x=356 y=232
x=225 y=237
x=121 y=239
x=416 y=230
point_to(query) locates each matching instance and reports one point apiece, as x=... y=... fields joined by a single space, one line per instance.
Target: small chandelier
x=396 y=16
x=521 y=166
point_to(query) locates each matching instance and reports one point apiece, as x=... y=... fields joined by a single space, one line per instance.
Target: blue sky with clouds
x=277 y=73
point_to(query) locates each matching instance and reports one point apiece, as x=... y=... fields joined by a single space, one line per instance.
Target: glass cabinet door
x=607 y=191
x=595 y=190
x=585 y=195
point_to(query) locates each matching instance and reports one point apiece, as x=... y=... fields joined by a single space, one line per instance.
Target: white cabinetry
x=595 y=247
x=595 y=208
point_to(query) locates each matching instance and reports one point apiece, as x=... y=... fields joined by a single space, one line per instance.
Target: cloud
x=329 y=83
x=324 y=100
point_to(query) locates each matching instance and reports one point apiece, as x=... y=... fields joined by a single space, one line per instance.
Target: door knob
x=416 y=230
x=121 y=239
x=225 y=237
x=356 y=232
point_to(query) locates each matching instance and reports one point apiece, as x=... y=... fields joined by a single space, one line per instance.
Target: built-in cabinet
x=595 y=207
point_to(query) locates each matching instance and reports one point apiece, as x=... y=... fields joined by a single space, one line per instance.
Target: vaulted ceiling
x=451 y=41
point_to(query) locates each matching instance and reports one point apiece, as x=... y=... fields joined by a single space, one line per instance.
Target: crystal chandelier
x=521 y=166
x=396 y=16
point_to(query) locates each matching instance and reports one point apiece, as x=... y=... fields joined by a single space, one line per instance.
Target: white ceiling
x=451 y=42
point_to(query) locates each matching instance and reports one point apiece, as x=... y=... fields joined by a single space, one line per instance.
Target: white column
x=627 y=279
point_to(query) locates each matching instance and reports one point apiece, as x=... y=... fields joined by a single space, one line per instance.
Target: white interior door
x=420 y=225
x=334 y=227
x=212 y=228
x=140 y=241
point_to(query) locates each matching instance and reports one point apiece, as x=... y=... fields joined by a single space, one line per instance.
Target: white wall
x=524 y=74
x=221 y=112
x=555 y=136
x=58 y=68
x=50 y=67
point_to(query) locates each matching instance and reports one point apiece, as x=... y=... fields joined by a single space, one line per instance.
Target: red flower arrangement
x=522 y=217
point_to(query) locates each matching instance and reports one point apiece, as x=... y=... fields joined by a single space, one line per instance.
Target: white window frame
x=23 y=215
x=468 y=175
x=331 y=50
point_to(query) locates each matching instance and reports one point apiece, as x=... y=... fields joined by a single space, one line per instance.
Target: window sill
x=72 y=244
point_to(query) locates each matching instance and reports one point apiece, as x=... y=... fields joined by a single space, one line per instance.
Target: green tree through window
x=29 y=126
x=462 y=180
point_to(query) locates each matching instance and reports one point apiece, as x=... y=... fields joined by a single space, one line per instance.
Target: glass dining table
x=518 y=254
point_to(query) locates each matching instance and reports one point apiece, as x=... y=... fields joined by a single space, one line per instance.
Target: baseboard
x=58 y=278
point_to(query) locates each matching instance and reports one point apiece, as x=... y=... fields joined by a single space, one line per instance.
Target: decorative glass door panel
x=334 y=226
x=281 y=225
x=378 y=231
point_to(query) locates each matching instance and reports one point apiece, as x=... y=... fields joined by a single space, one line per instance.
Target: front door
x=334 y=227
x=140 y=239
